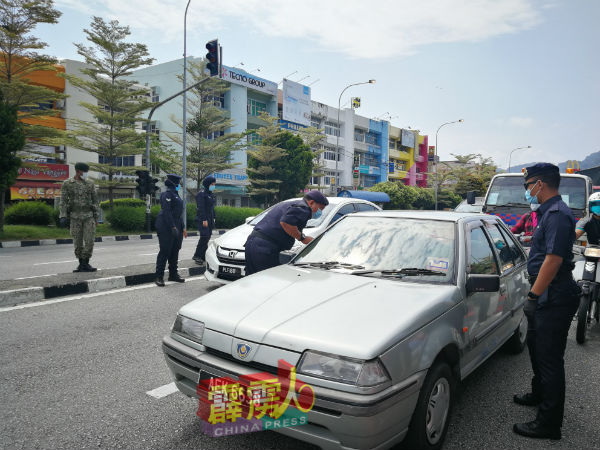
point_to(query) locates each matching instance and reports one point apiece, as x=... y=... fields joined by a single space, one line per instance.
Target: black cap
x=317 y=197
x=82 y=166
x=540 y=169
x=174 y=178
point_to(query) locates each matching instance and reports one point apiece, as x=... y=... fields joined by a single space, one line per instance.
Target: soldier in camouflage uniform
x=79 y=205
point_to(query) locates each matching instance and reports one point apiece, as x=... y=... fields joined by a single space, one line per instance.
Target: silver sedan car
x=382 y=315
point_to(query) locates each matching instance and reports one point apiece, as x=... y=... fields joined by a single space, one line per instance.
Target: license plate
x=226 y=270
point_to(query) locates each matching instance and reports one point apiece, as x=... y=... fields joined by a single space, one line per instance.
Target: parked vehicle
x=382 y=315
x=466 y=207
x=226 y=258
x=588 y=277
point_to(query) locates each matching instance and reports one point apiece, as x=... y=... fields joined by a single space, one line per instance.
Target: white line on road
x=163 y=391
x=37 y=276
x=95 y=294
x=55 y=262
x=148 y=254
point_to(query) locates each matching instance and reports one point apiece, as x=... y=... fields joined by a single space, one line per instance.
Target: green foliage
x=424 y=198
x=127 y=218
x=447 y=199
x=468 y=183
x=229 y=217
x=401 y=196
x=29 y=213
x=295 y=168
x=134 y=202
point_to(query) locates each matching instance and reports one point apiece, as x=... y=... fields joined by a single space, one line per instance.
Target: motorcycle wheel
x=582 y=318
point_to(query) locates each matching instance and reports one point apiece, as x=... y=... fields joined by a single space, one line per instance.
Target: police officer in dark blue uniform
x=169 y=227
x=551 y=303
x=205 y=217
x=277 y=231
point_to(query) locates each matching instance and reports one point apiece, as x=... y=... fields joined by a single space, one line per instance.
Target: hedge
x=136 y=202
x=127 y=218
x=230 y=217
x=29 y=213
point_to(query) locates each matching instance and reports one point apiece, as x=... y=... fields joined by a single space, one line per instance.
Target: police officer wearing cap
x=551 y=302
x=277 y=231
x=169 y=227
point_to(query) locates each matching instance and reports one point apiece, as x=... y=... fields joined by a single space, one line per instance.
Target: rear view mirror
x=471 y=197
x=482 y=283
x=249 y=219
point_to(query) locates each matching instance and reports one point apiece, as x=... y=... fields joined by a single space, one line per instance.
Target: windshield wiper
x=407 y=271
x=329 y=265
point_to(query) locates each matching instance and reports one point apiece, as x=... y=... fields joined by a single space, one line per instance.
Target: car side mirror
x=249 y=219
x=482 y=283
x=471 y=197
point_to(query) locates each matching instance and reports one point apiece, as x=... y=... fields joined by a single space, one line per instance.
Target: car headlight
x=592 y=252
x=189 y=328
x=344 y=370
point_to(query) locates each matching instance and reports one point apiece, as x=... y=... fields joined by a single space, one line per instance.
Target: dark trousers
x=547 y=339
x=201 y=247
x=260 y=255
x=169 y=250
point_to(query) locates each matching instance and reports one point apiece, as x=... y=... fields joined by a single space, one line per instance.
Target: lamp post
x=337 y=140
x=511 y=152
x=184 y=177
x=435 y=159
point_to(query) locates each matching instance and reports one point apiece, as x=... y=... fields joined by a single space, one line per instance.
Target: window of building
x=119 y=161
x=314 y=122
x=255 y=107
x=371 y=160
x=400 y=165
x=372 y=138
x=254 y=138
x=359 y=135
x=155 y=96
x=369 y=180
x=329 y=178
x=392 y=144
x=152 y=127
x=332 y=128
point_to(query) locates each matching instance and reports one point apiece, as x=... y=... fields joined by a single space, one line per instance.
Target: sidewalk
x=34 y=289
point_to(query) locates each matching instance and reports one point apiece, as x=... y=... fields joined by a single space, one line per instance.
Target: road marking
x=94 y=294
x=55 y=262
x=148 y=254
x=37 y=276
x=163 y=391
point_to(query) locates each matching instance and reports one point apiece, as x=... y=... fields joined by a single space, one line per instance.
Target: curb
x=131 y=237
x=35 y=294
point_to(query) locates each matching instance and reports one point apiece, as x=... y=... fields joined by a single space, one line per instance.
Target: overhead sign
x=407 y=139
x=296 y=102
x=237 y=76
x=231 y=177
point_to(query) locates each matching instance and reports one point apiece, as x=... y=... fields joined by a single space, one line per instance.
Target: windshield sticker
x=493 y=198
x=565 y=198
x=441 y=264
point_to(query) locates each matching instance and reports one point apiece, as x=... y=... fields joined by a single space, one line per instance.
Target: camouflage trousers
x=83 y=232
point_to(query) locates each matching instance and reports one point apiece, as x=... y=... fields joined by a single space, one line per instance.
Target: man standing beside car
x=551 y=302
x=205 y=217
x=279 y=228
x=79 y=206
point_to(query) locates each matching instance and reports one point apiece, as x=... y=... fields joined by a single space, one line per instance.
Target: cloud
x=522 y=122
x=355 y=28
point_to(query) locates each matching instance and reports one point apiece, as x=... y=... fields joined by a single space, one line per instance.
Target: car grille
x=235 y=262
x=223 y=255
x=254 y=365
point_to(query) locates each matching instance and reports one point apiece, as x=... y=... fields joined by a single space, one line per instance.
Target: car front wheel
x=429 y=423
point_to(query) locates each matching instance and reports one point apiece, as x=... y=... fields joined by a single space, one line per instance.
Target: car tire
x=517 y=342
x=429 y=423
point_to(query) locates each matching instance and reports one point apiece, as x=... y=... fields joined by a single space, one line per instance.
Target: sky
x=518 y=72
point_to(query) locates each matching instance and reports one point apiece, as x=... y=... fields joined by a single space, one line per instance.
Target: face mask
x=531 y=199
x=212 y=187
x=177 y=188
x=317 y=214
x=595 y=209
x=84 y=175
x=534 y=206
x=499 y=245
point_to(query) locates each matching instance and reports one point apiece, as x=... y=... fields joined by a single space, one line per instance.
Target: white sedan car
x=226 y=258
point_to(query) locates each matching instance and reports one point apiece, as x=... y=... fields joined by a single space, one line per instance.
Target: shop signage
x=44 y=171
x=237 y=76
x=408 y=138
x=23 y=190
x=296 y=102
x=291 y=125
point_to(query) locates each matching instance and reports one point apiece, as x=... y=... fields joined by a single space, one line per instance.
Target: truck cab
x=505 y=196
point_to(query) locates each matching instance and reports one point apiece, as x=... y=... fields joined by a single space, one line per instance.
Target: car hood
x=295 y=309
x=236 y=237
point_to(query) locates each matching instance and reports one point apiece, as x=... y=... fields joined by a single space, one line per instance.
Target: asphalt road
x=21 y=262
x=76 y=372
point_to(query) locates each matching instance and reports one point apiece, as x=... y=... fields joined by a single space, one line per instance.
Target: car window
x=481 y=256
x=327 y=211
x=517 y=254
x=346 y=209
x=365 y=207
x=502 y=248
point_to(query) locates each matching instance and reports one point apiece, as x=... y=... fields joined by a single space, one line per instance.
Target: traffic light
x=142 y=182
x=152 y=187
x=213 y=57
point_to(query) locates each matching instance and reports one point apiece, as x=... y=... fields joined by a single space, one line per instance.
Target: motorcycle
x=588 y=276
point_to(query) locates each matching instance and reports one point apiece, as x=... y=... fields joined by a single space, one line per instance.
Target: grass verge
x=35 y=232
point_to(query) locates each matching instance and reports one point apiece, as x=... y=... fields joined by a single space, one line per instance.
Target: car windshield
x=385 y=244
x=509 y=191
x=311 y=222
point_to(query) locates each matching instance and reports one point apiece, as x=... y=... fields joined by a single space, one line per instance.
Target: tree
x=401 y=196
x=208 y=147
x=296 y=167
x=120 y=101
x=12 y=139
x=19 y=59
x=470 y=182
x=473 y=173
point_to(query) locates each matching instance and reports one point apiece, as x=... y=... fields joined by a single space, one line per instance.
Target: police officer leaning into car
x=277 y=231
x=170 y=231
x=551 y=302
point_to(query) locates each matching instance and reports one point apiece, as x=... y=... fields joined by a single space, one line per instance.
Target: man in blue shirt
x=551 y=302
x=277 y=231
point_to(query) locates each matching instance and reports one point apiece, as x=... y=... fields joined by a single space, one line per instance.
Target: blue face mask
x=211 y=187
x=317 y=214
x=177 y=188
x=531 y=199
x=595 y=209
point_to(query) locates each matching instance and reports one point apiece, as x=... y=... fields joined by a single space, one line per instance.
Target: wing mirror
x=471 y=197
x=249 y=219
x=482 y=283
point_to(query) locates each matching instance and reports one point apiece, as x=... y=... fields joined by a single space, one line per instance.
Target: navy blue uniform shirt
x=295 y=213
x=554 y=234
x=171 y=208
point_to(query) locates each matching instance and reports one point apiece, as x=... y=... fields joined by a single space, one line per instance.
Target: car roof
x=448 y=216
x=337 y=200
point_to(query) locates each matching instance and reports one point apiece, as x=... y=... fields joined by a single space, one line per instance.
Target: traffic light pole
x=159 y=104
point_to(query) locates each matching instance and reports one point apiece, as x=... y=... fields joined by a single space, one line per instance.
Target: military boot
x=80 y=266
x=86 y=266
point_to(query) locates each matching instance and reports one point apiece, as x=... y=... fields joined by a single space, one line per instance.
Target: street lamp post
x=435 y=159
x=510 y=156
x=337 y=141
x=184 y=175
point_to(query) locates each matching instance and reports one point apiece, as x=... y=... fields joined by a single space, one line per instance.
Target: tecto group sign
x=242 y=78
x=296 y=102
